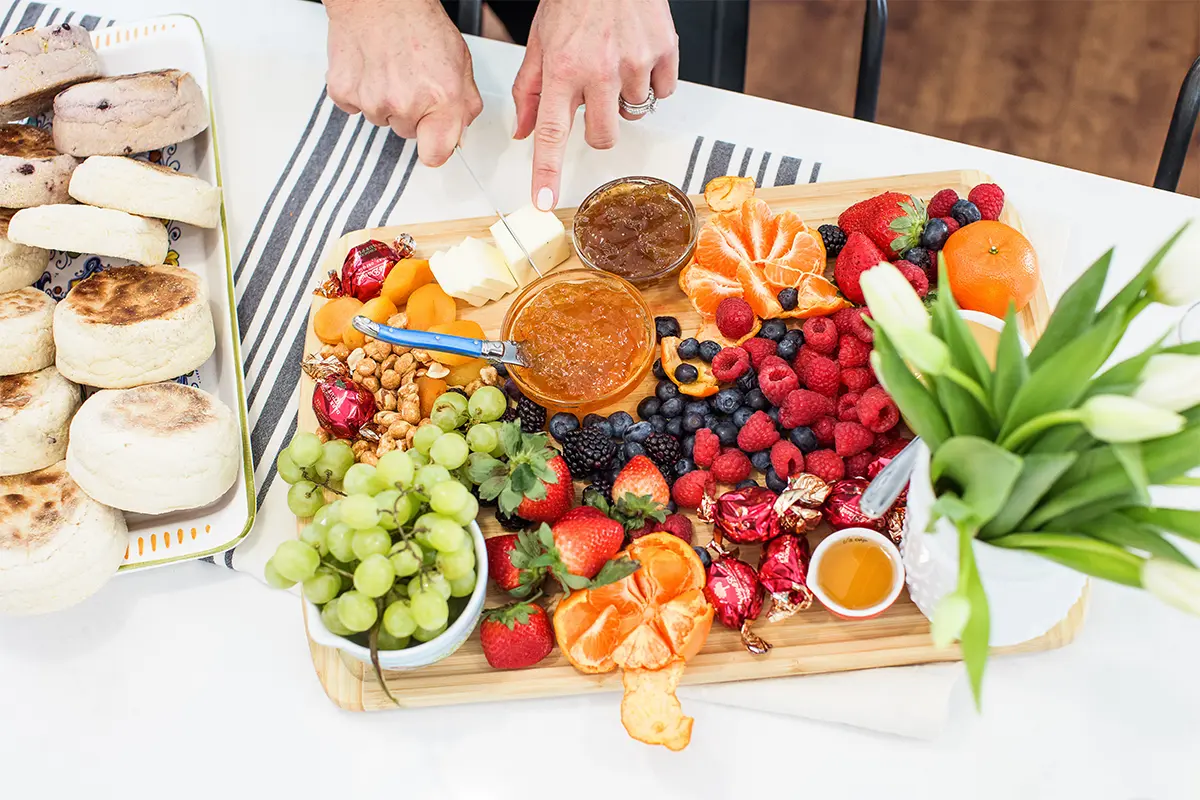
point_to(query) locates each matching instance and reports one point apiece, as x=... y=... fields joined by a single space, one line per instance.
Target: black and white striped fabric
x=23 y=14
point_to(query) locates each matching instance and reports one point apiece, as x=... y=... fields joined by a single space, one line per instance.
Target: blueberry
x=614 y=472
x=965 y=212
x=648 y=407
x=658 y=370
x=675 y=427
x=709 y=350
x=671 y=507
x=756 y=400
x=693 y=422
x=703 y=555
x=594 y=419
x=761 y=460
x=501 y=369
x=918 y=256
x=700 y=407
x=748 y=381
x=689 y=348
x=688 y=444
x=666 y=390
x=671 y=408
x=727 y=433
x=773 y=413
x=561 y=424
x=727 y=401
x=774 y=482
x=935 y=234
x=512 y=390
x=787 y=349
x=683 y=466
x=686 y=373
x=659 y=423
x=774 y=329
x=788 y=298
x=747 y=484
x=666 y=326
x=639 y=432
x=795 y=335
x=620 y=422
x=711 y=421
x=804 y=438
x=742 y=416
x=634 y=449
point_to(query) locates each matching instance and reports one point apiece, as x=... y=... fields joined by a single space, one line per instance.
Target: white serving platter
x=176 y=41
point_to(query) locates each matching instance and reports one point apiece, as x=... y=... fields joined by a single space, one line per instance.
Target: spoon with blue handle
x=889 y=483
x=504 y=352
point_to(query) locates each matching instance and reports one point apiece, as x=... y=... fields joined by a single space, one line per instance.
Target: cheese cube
x=544 y=237
x=488 y=271
x=449 y=270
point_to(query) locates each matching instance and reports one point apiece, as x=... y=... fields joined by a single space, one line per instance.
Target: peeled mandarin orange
x=377 y=309
x=408 y=275
x=706 y=289
x=428 y=306
x=990 y=264
x=332 y=319
x=464 y=327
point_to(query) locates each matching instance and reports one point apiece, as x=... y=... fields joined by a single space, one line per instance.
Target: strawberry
x=515 y=636
x=578 y=551
x=535 y=481
x=892 y=220
x=500 y=566
x=641 y=478
x=859 y=255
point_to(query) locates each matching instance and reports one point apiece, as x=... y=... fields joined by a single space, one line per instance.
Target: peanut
x=386 y=418
x=399 y=429
x=399 y=320
x=341 y=352
x=377 y=350
x=360 y=446
x=489 y=376
x=410 y=410
x=366 y=366
x=389 y=400
x=326 y=350
x=437 y=370
x=390 y=379
x=371 y=383
x=386 y=445
x=369 y=458
x=323 y=435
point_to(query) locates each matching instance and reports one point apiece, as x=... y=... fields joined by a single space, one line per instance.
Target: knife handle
x=425 y=340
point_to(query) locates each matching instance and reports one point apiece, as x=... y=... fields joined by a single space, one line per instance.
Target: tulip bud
x=1115 y=418
x=893 y=302
x=1170 y=381
x=950 y=619
x=1176 y=281
x=1173 y=583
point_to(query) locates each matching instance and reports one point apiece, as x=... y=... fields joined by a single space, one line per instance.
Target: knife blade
x=467 y=166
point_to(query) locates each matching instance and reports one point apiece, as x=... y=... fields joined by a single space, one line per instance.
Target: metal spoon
x=889 y=483
x=505 y=352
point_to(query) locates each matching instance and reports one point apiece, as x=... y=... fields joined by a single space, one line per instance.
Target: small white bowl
x=426 y=653
x=988 y=321
x=814 y=569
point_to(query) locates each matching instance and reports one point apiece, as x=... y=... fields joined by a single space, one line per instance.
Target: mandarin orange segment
x=817 y=297
x=650 y=711
x=644 y=648
x=686 y=621
x=467 y=328
x=728 y=192
x=429 y=306
x=706 y=289
x=757 y=291
x=408 y=275
x=591 y=649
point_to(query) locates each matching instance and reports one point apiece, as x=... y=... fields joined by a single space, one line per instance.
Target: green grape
x=288 y=470
x=487 y=404
x=385 y=501
x=445 y=534
x=419 y=459
x=356 y=611
x=336 y=458
x=361 y=479
x=406 y=509
x=448 y=498
x=274 y=579
x=424 y=438
x=429 y=610
x=468 y=512
x=456 y=564
x=463 y=585
x=314 y=536
x=430 y=476
x=327 y=515
x=295 y=560
x=423 y=635
x=388 y=642
x=340 y=541
x=482 y=439
x=323 y=586
x=305 y=498
x=398 y=620
x=447 y=419
x=399 y=591
x=406 y=558
x=370 y=541
x=453 y=400
x=428 y=556
x=329 y=616
x=374 y=576
x=358 y=511
x=450 y=450
x=305 y=449
x=438 y=583
x=395 y=469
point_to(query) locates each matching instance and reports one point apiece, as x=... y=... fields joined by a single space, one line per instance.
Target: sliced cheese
x=488 y=269
x=543 y=236
x=450 y=273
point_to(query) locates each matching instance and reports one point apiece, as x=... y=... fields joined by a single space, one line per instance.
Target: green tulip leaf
x=975 y=635
x=1062 y=438
x=1129 y=456
x=1075 y=312
x=1083 y=516
x=980 y=472
x=1182 y=522
x=918 y=406
x=952 y=329
x=1012 y=369
x=966 y=416
x=1122 y=378
x=1118 y=529
x=1038 y=473
x=1081 y=553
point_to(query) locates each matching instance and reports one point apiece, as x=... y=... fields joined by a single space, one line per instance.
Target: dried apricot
x=466 y=373
x=428 y=390
x=429 y=306
x=463 y=327
x=378 y=309
x=407 y=276
x=332 y=319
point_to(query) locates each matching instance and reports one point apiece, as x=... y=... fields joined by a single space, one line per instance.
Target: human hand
x=404 y=65
x=590 y=53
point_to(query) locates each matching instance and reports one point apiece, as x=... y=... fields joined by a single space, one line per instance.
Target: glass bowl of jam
x=639 y=228
x=589 y=336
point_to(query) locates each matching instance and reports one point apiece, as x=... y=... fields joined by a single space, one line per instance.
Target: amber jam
x=638 y=228
x=588 y=335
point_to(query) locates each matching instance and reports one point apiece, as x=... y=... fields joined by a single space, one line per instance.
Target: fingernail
x=545 y=199
x=516 y=123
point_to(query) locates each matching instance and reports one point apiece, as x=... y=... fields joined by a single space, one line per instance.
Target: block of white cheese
x=472 y=270
x=543 y=236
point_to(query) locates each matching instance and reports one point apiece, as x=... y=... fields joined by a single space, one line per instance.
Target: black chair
x=1179 y=134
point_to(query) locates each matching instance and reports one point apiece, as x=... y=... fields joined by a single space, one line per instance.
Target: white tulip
x=1115 y=418
x=1173 y=583
x=1170 y=381
x=897 y=309
x=949 y=620
x=1176 y=281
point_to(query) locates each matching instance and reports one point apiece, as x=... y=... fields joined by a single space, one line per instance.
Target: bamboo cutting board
x=812 y=641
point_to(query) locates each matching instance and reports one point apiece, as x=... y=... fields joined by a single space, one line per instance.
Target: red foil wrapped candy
x=744 y=516
x=842 y=506
x=885 y=456
x=365 y=268
x=783 y=573
x=736 y=595
x=341 y=405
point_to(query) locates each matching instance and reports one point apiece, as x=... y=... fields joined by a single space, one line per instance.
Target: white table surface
x=193 y=681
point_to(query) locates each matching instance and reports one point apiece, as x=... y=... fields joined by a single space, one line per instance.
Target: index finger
x=556 y=112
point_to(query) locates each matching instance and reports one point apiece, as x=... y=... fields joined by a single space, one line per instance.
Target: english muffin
x=150 y=190
x=84 y=229
x=57 y=545
x=26 y=331
x=127 y=326
x=20 y=265
x=154 y=449
x=38 y=63
x=35 y=410
x=32 y=172
x=129 y=114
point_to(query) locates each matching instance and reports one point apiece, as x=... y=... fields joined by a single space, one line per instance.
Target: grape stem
x=327 y=484
x=338 y=570
x=373 y=641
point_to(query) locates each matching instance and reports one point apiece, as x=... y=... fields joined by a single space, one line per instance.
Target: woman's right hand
x=404 y=65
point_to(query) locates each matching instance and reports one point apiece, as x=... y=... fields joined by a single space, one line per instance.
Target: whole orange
x=990 y=264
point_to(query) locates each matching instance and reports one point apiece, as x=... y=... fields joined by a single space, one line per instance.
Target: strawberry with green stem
x=532 y=481
x=640 y=495
x=579 y=552
x=516 y=636
x=894 y=221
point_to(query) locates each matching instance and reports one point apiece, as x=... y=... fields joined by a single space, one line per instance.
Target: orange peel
x=728 y=192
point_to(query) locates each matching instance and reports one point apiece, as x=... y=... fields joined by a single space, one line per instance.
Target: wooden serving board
x=812 y=641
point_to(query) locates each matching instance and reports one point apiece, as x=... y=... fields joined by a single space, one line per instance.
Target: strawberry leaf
x=510 y=499
x=571 y=581
x=511 y=615
x=613 y=571
x=491 y=488
x=545 y=472
x=481 y=467
x=510 y=438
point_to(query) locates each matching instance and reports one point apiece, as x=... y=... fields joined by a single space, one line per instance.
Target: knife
x=466 y=165
x=505 y=352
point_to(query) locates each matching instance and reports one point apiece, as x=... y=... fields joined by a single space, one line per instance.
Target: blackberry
x=919 y=256
x=774 y=329
x=683 y=466
x=804 y=438
x=663 y=450
x=675 y=427
x=666 y=390
x=693 y=422
x=774 y=482
x=686 y=373
x=761 y=460
x=511 y=522
x=533 y=416
x=709 y=350
x=702 y=554
x=595 y=492
x=742 y=416
x=965 y=212
x=727 y=433
x=620 y=421
x=671 y=408
x=834 y=239
x=633 y=450
x=749 y=483
x=728 y=401
x=563 y=423
x=659 y=423
x=658 y=370
x=638 y=432
x=588 y=450
x=648 y=407
x=509 y=415
x=689 y=348
x=935 y=235
x=748 y=381
x=666 y=326
x=756 y=400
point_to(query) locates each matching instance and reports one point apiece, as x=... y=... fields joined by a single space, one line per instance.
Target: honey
x=856 y=574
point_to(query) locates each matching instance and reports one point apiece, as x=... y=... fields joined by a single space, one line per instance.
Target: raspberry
x=706 y=448
x=821 y=374
x=825 y=464
x=777 y=381
x=853 y=351
x=856 y=466
x=820 y=334
x=735 y=318
x=676 y=525
x=730 y=364
x=877 y=410
x=939 y=204
x=951 y=223
x=804 y=407
x=851 y=438
x=803 y=355
x=858 y=379
x=732 y=466
x=847 y=407
x=989 y=199
x=758 y=433
x=786 y=459
x=914 y=275
x=853 y=320
x=770 y=361
x=689 y=489
x=823 y=429
x=758 y=348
